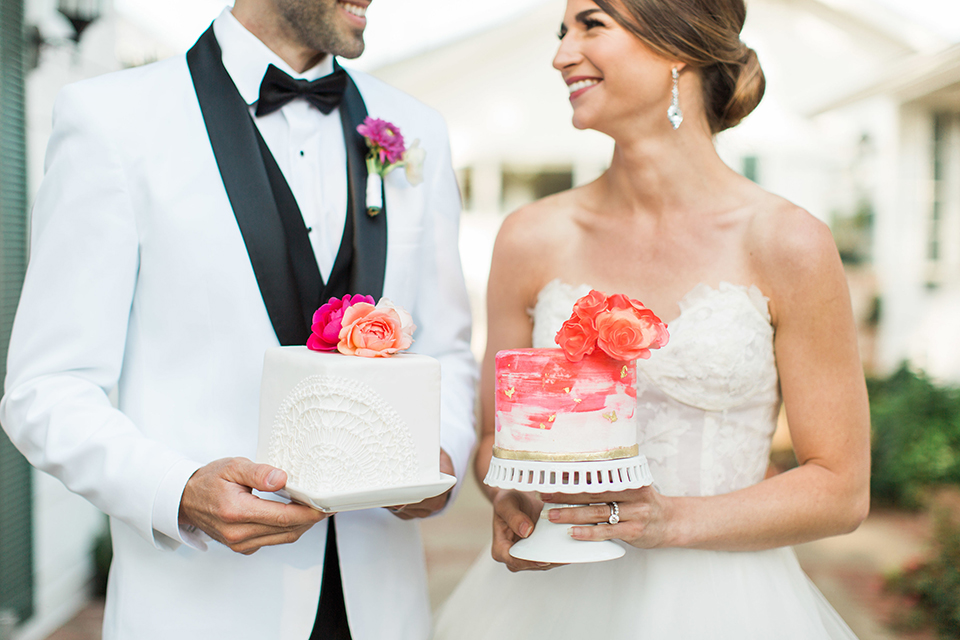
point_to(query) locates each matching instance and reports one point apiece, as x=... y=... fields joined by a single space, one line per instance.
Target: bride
x=758 y=311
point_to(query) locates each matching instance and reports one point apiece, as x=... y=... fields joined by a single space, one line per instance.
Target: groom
x=194 y=213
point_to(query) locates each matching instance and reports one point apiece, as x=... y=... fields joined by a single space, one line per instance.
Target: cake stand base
x=550 y=542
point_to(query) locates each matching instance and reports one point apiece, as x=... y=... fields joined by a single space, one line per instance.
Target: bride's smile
x=614 y=79
x=578 y=85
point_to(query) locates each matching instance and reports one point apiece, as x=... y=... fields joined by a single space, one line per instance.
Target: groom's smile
x=356 y=13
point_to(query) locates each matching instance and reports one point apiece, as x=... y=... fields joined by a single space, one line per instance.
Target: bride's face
x=615 y=80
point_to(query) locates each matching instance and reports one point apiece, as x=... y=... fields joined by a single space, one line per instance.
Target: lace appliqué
x=720 y=352
x=554 y=305
x=332 y=435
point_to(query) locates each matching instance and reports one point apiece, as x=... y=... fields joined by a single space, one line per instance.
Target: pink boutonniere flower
x=387 y=152
x=623 y=328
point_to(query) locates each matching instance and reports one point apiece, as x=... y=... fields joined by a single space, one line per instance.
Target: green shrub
x=916 y=438
x=935 y=585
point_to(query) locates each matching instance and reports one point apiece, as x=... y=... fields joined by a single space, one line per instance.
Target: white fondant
x=339 y=423
x=334 y=434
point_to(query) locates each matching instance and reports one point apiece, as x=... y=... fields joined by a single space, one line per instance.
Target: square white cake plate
x=369 y=498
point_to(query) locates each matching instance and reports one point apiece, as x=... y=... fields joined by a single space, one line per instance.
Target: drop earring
x=674 y=114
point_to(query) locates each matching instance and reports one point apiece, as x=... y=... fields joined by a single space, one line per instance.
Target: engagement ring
x=614 y=513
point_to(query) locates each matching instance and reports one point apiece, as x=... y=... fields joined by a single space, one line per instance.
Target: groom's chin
x=351 y=52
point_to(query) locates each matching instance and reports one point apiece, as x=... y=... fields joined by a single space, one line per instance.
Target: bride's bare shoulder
x=538 y=231
x=531 y=243
x=793 y=249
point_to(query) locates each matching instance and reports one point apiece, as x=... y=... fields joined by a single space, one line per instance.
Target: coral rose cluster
x=355 y=326
x=623 y=328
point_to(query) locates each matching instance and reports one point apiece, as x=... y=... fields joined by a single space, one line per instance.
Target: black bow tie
x=277 y=89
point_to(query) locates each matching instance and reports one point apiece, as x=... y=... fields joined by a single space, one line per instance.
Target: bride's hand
x=644 y=516
x=514 y=516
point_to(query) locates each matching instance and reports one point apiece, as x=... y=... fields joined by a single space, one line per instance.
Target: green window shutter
x=16 y=546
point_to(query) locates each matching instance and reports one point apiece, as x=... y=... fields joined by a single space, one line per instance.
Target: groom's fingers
x=218 y=499
x=261 y=477
x=429 y=506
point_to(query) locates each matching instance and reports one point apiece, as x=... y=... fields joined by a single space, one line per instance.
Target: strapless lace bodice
x=707 y=403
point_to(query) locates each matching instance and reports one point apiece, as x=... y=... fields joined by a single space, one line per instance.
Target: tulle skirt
x=660 y=594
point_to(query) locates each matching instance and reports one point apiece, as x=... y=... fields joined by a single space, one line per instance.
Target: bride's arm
x=825 y=399
x=511 y=289
x=516 y=275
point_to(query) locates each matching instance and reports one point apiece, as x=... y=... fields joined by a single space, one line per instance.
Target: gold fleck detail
x=552 y=418
x=623 y=372
x=509 y=392
x=612 y=416
x=566 y=389
x=543 y=426
x=577 y=400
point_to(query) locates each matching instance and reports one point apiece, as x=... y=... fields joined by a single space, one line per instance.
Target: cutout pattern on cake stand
x=550 y=542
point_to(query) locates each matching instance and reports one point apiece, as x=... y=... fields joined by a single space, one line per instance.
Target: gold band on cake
x=580 y=456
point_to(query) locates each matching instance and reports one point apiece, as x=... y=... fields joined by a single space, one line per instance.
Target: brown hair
x=705 y=34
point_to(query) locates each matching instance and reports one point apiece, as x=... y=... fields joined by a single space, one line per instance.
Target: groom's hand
x=429 y=506
x=219 y=500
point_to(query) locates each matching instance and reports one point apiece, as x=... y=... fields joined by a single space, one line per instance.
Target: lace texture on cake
x=707 y=403
x=335 y=435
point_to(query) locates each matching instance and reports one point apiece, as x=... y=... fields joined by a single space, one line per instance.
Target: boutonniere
x=387 y=152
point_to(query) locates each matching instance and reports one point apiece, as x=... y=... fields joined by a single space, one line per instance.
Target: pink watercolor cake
x=550 y=408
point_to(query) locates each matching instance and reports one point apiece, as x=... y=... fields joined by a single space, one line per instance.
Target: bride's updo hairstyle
x=705 y=34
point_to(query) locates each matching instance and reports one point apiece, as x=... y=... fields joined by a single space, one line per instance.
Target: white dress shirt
x=307 y=145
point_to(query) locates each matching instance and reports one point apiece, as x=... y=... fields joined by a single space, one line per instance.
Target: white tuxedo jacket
x=139 y=278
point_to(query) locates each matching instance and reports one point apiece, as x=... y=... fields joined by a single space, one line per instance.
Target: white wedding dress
x=707 y=409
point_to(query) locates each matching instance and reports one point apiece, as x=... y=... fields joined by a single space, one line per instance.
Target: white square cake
x=342 y=424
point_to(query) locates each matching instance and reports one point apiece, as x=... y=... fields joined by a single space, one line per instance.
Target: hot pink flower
x=327 y=322
x=375 y=331
x=384 y=140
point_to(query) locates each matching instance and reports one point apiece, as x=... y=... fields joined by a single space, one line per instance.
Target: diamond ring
x=614 y=513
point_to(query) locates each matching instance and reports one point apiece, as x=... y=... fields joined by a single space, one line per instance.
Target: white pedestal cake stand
x=550 y=542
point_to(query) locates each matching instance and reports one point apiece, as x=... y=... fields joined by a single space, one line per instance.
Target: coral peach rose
x=628 y=334
x=589 y=306
x=372 y=332
x=577 y=338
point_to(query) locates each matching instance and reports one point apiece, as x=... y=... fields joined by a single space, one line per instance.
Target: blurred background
x=860 y=125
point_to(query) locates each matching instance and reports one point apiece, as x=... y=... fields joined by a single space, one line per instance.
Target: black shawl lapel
x=289 y=282
x=369 y=233
x=234 y=140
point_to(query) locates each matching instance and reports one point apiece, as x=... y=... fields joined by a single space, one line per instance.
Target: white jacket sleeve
x=443 y=310
x=68 y=340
